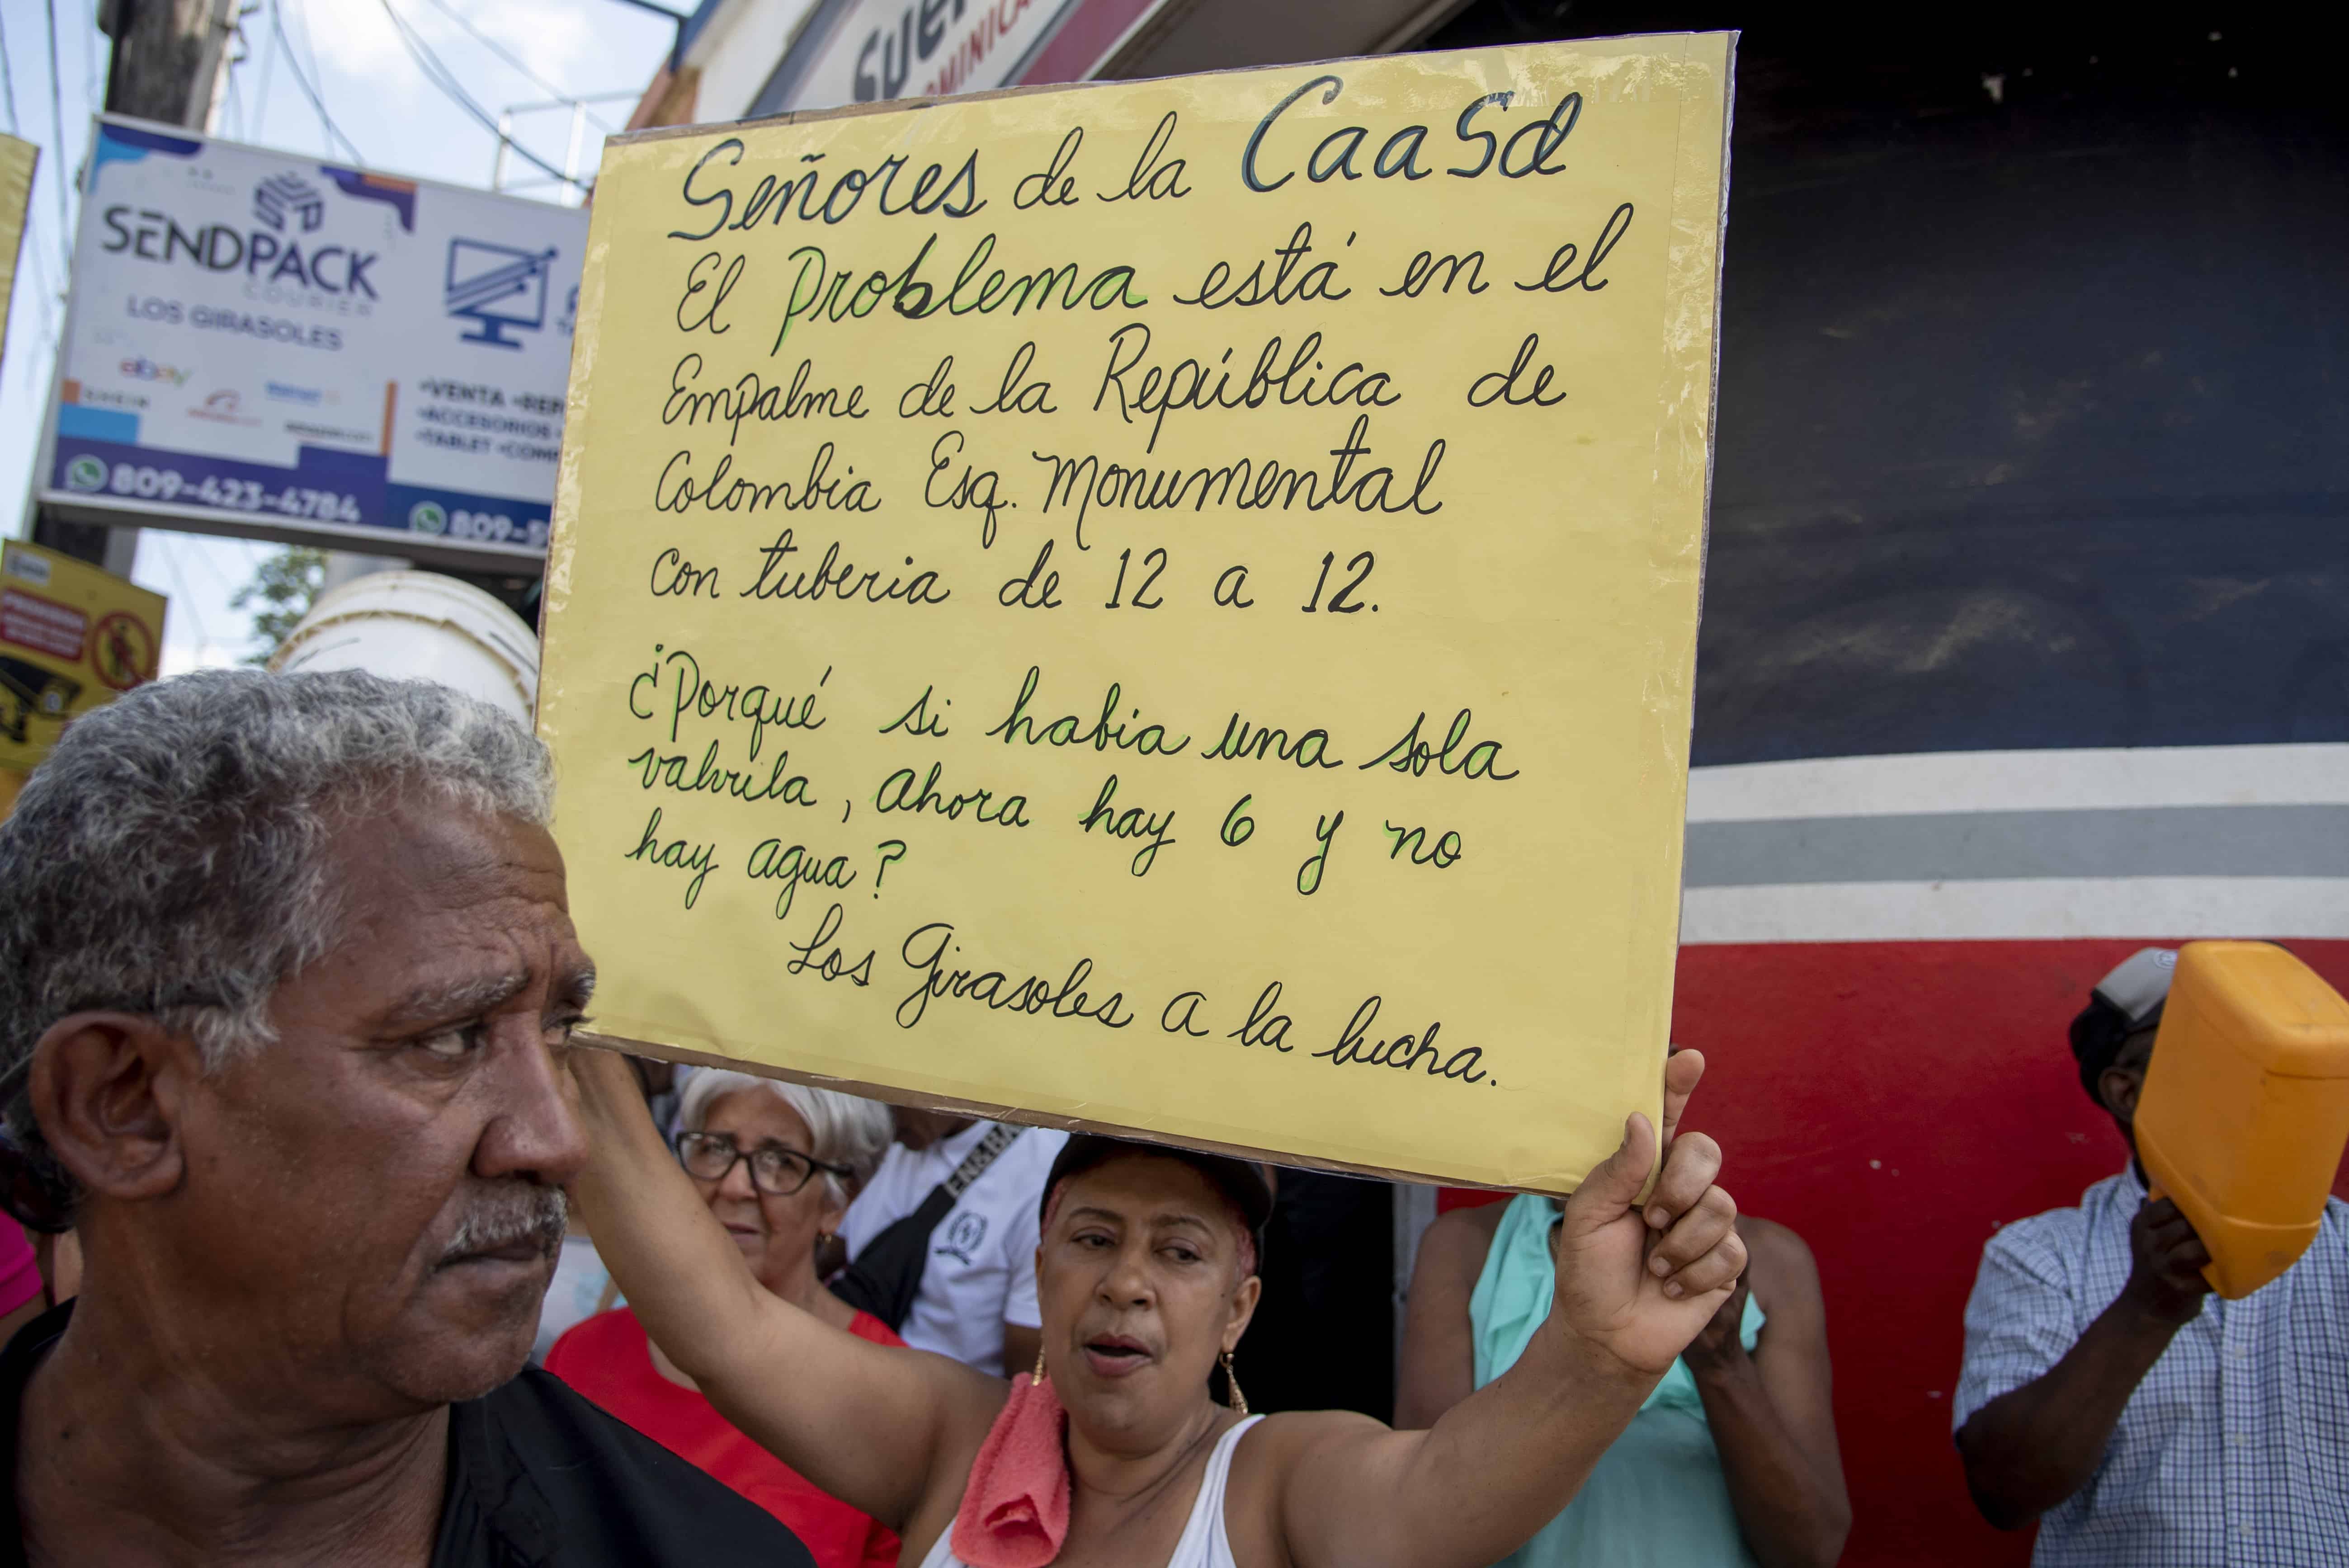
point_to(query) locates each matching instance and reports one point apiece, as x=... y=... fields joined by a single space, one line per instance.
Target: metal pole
x=570 y=158
x=498 y=162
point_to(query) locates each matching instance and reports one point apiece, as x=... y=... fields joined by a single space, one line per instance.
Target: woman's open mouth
x=1115 y=1356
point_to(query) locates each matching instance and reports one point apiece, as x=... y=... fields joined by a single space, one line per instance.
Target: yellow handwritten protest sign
x=1166 y=606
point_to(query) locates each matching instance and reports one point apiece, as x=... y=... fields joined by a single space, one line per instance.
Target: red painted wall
x=1895 y=1103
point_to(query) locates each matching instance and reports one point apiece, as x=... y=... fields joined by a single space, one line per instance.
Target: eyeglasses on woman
x=775 y=1170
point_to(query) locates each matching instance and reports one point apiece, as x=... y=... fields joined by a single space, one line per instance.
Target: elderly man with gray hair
x=286 y=983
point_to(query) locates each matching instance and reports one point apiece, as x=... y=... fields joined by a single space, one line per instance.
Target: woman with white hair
x=776 y=1164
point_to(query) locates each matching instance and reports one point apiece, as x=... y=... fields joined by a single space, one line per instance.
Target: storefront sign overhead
x=863 y=51
x=1164 y=606
x=267 y=345
x=72 y=637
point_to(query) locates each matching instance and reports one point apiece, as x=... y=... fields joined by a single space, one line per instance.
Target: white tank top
x=1204 y=1542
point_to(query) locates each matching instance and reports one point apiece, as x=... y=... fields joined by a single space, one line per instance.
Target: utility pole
x=170 y=59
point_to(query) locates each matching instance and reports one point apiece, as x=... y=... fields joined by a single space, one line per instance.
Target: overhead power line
x=57 y=123
x=293 y=63
x=261 y=93
x=8 y=82
x=440 y=76
x=502 y=52
x=35 y=368
x=233 y=107
x=178 y=580
x=93 y=89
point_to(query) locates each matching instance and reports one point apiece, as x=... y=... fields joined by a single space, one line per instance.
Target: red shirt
x=608 y=1359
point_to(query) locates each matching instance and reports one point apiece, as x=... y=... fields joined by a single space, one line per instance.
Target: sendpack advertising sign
x=270 y=347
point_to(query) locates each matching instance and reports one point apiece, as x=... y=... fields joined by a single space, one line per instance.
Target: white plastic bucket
x=420 y=626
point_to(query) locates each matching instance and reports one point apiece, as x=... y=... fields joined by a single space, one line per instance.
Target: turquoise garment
x=1657 y=1499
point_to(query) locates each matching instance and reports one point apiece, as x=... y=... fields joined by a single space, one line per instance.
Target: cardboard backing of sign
x=1166 y=607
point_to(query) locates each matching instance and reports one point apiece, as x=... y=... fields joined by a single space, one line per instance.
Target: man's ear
x=108 y=1090
x=2118 y=1087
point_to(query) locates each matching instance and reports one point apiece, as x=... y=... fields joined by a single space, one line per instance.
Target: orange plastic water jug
x=2245 y=1109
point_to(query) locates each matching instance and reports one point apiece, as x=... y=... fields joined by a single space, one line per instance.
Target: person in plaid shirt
x=2108 y=1395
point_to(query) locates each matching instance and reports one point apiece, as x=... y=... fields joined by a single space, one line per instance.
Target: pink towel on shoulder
x=20 y=1273
x=1015 y=1509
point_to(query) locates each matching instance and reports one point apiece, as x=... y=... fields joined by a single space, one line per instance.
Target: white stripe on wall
x=2129 y=887
x=2044 y=910
x=2313 y=775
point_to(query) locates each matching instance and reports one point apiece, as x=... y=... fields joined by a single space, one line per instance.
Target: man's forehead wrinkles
x=406 y=911
x=457 y=860
x=506 y=922
x=484 y=885
x=489 y=892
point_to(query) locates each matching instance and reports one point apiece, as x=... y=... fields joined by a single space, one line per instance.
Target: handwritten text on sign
x=1170 y=606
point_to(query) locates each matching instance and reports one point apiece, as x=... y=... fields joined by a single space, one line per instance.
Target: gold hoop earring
x=1232 y=1383
x=1040 y=1365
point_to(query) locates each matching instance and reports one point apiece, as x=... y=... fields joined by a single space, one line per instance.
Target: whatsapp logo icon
x=85 y=473
x=427 y=516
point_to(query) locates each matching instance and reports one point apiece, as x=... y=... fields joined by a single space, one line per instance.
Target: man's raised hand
x=1641 y=1283
x=2166 y=1263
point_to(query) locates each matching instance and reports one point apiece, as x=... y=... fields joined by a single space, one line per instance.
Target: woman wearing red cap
x=1111 y=1452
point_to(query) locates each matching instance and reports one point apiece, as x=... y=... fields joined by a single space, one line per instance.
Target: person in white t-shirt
x=978 y=1298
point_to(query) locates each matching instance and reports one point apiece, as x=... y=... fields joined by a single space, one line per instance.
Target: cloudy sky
x=503 y=53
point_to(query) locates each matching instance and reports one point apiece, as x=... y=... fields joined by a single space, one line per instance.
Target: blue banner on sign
x=324 y=486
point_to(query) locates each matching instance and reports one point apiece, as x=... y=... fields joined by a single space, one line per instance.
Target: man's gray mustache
x=509 y=1212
